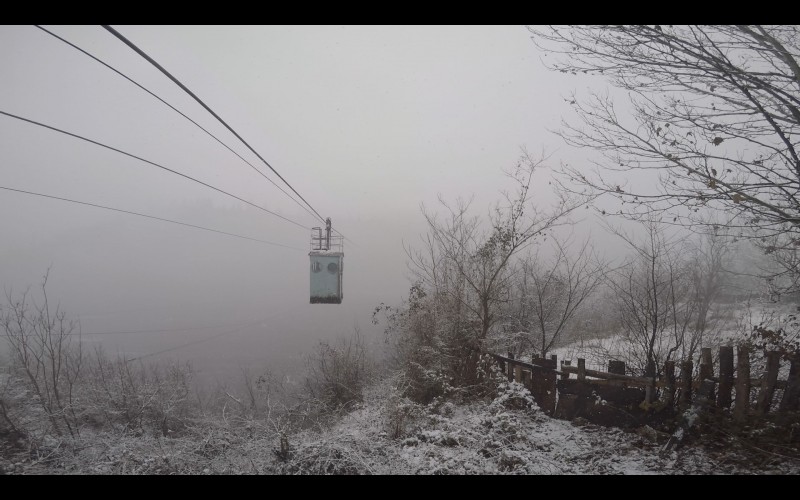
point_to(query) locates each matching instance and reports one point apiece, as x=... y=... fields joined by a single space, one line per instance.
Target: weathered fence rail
x=557 y=393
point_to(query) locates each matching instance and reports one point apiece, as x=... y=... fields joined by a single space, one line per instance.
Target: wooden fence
x=561 y=395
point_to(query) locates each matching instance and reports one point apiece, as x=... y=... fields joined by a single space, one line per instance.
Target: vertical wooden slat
x=649 y=393
x=518 y=373
x=669 y=383
x=725 y=376
x=650 y=389
x=791 y=394
x=566 y=362
x=686 y=384
x=510 y=367
x=550 y=381
x=581 y=369
x=768 y=382
x=544 y=384
x=706 y=364
x=706 y=372
x=742 y=384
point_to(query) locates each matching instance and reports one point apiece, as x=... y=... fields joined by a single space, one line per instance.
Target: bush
x=136 y=397
x=338 y=373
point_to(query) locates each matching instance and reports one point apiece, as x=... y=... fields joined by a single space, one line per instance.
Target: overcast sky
x=365 y=122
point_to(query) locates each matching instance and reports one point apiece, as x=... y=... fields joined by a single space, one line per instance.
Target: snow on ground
x=728 y=324
x=387 y=434
x=508 y=436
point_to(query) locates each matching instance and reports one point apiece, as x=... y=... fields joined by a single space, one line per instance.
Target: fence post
x=768 y=382
x=706 y=364
x=550 y=384
x=725 y=376
x=790 y=394
x=649 y=393
x=742 y=383
x=686 y=384
x=669 y=383
x=581 y=370
x=706 y=387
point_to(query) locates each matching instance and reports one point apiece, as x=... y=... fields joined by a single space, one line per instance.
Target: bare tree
x=646 y=291
x=464 y=270
x=708 y=259
x=664 y=294
x=549 y=292
x=714 y=114
x=40 y=339
x=10 y=399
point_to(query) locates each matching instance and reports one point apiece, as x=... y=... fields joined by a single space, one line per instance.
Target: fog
x=367 y=123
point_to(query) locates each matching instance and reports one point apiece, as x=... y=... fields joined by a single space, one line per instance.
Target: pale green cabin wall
x=326 y=283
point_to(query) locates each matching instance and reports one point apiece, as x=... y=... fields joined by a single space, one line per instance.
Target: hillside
x=389 y=435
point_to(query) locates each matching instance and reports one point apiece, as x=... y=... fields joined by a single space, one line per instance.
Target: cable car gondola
x=327 y=254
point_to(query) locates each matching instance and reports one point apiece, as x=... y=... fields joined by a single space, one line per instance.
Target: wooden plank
x=650 y=394
x=768 y=383
x=705 y=394
x=549 y=398
x=707 y=361
x=545 y=364
x=565 y=374
x=610 y=376
x=725 y=377
x=668 y=381
x=742 y=406
x=706 y=372
x=511 y=360
x=617 y=367
x=650 y=388
x=518 y=373
x=511 y=367
x=613 y=391
x=543 y=385
x=686 y=385
x=609 y=383
x=791 y=395
x=581 y=369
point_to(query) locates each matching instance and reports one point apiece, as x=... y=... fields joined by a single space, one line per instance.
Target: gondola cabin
x=326 y=266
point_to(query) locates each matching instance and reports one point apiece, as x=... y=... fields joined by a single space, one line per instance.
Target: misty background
x=367 y=123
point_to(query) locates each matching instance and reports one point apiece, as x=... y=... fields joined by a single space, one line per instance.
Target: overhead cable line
x=182 y=86
x=149 y=217
x=191 y=343
x=168 y=330
x=179 y=112
x=154 y=164
x=200 y=341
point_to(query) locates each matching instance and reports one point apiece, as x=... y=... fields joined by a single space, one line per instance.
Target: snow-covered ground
x=728 y=324
x=389 y=435
x=508 y=436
